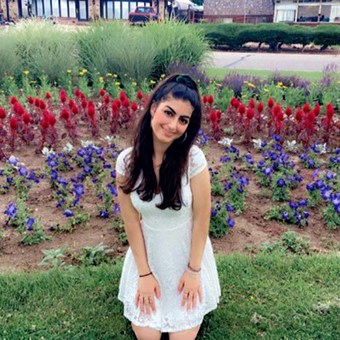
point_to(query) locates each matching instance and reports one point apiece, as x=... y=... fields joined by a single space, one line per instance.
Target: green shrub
x=327 y=35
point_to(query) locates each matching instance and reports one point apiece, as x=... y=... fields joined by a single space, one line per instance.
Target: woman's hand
x=191 y=286
x=148 y=286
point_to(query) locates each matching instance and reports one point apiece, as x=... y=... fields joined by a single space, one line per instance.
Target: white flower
x=86 y=143
x=68 y=148
x=292 y=146
x=109 y=139
x=226 y=142
x=46 y=152
x=257 y=144
x=322 y=148
x=13 y=160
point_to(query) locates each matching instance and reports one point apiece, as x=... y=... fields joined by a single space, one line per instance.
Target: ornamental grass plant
x=9 y=59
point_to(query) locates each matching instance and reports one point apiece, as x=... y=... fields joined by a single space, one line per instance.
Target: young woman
x=169 y=279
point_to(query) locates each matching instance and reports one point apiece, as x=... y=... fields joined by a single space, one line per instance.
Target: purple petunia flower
x=29 y=223
x=104 y=214
x=310 y=187
x=268 y=170
x=231 y=222
x=23 y=171
x=213 y=212
x=79 y=189
x=302 y=203
x=54 y=174
x=11 y=210
x=13 y=160
x=319 y=184
x=87 y=169
x=285 y=215
x=293 y=205
x=305 y=214
x=113 y=173
x=68 y=213
x=229 y=207
x=116 y=208
x=281 y=182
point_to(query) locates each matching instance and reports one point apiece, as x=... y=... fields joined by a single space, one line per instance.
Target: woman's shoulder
x=122 y=160
x=197 y=161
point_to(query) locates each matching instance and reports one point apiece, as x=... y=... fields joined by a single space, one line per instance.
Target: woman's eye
x=168 y=113
x=184 y=121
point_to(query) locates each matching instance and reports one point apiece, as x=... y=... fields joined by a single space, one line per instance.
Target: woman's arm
x=201 y=196
x=132 y=228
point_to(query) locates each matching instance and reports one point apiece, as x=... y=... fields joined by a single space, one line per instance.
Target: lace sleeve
x=197 y=161
x=121 y=164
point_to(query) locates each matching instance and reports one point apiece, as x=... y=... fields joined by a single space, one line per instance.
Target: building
x=307 y=11
x=76 y=10
x=241 y=11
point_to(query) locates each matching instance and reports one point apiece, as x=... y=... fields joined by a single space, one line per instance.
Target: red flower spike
x=288 y=111
x=107 y=99
x=311 y=116
x=114 y=106
x=205 y=99
x=213 y=116
x=219 y=115
x=250 y=113
x=91 y=111
x=122 y=96
x=48 y=95
x=102 y=92
x=37 y=102
x=75 y=110
x=139 y=95
x=70 y=103
x=65 y=114
x=52 y=120
x=211 y=99
x=46 y=115
x=77 y=92
x=82 y=95
x=317 y=109
x=21 y=110
x=299 y=115
x=84 y=103
x=330 y=111
x=26 y=118
x=63 y=96
x=119 y=103
x=3 y=113
x=134 y=106
x=252 y=103
x=126 y=103
x=306 y=108
x=44 y=124
x=42 y=105
x=260 y=107
x=236 y=103
x=16 y=107
x=30 y=100
x=242 y=109
x=277 y=109
x=13 y=123
x=14 y=100
x=270 y=102
x=279 y=116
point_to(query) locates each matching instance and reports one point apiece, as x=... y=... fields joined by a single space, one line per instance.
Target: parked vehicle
x=143 y=14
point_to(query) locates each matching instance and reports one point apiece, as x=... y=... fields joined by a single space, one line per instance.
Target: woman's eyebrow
x=173 y=111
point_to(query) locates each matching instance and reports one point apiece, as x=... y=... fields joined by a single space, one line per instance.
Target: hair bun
x=185 y=79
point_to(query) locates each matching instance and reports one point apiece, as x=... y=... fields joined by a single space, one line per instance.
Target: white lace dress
x=167 y=235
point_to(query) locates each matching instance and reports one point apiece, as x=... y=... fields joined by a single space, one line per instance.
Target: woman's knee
x=146 y=333
x=189 y=334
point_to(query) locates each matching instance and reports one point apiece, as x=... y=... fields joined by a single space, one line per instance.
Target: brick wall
x=230 y=8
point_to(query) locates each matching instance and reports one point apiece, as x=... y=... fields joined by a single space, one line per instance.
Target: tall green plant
x=45 y=49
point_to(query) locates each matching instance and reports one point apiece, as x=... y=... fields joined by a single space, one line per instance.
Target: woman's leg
x=146 y=333
x=189 y=334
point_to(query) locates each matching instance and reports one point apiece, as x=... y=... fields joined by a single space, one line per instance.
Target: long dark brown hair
x=175 y=162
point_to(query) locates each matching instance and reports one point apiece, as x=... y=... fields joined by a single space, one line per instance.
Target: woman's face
x=170 y=119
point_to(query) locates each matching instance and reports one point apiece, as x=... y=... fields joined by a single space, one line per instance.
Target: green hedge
x=275 y=34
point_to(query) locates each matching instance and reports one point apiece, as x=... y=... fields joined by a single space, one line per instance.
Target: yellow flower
x=134 y=83
x=109 y=74
x=284 y=87
x=114 y=76
x=245 y=81
x=218 y=84
x=69 y=71
x=32 y=82
x=152 y=82
x=278 y=87
x=10 y=78
x=280 y=83
x=265 y=90
x=251 y=85
x=101 y=79
x=117 y=83
x=84 y=70
x=163 y=76
x=26 y=72
x=244 y=96
x=81 y=73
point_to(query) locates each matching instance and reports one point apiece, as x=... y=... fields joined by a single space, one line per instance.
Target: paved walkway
x=273 y=61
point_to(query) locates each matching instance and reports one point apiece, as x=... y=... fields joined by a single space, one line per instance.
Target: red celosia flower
x=52 y=120
x=77 y=92
x=90 y=103
x=126 y=103
x=289 y=111
x=250 y=113
x=114 y=106
x=252 y=103
x=270 y=102
x=75 y=109
x=37 y=102
x=122 y=96
x=242 y=109
x=46 y=115
x=13 y=123
x=306 y=108
x=42 y=105
x=84 y=103
x=70 y=103
x=118 y=102
x=311 y=116
x=213 y=116
x=44 y=123
x=219 y=115
x=82 y=95
x=26 y=118
x=65 y=114
x=30 y=100
x=134 y=106
x=279 y=116
x=205 y=99
x=260 y=107
x=236 y=103
x=317 y=109
x=139 y=95
x=102 y=92
x=16 y=107
x=63 y=96
x=277 y=109
x=299 y=115
x=14 y=100
x=48 y=95
x=107 y=99
x=3 y=113
x=91 y=111
x=211 y=99
x=330 y=111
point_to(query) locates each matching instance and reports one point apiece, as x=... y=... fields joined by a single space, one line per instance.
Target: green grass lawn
x=263 y=297
x=220 y=73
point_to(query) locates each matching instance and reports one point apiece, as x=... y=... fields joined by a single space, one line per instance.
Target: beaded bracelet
x=193 y=270
x=145 y=274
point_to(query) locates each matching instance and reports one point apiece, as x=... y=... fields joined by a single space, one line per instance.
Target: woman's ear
x=153 y=109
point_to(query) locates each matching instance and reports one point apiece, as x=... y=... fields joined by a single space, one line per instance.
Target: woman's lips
x=168 y=133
